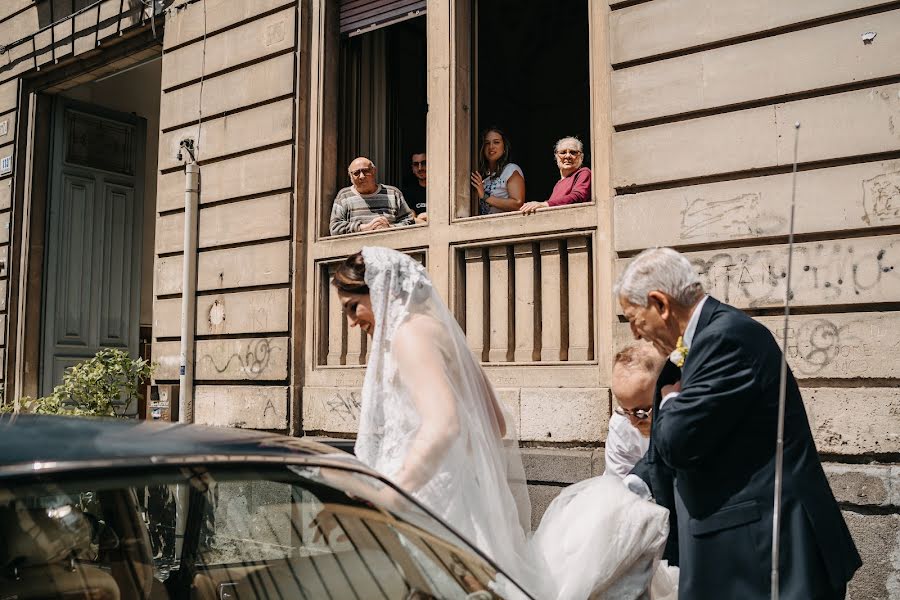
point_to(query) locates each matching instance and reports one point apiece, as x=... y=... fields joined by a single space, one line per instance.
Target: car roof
x=32 y=442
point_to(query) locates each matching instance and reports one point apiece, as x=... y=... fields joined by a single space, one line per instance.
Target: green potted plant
x=102 y=386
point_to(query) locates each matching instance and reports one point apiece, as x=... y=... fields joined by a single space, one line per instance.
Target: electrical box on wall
x=162 y=403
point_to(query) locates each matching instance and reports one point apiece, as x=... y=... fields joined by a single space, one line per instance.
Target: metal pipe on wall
x=188 y=292
x=188 y=318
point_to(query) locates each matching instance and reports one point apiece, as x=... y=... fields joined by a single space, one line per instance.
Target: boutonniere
x=680 y=353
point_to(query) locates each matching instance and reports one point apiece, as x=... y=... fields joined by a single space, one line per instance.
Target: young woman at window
x=500 y=184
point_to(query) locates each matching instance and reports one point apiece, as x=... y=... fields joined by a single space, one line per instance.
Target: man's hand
x=422 y=218
x=529 y=208
x=671 y=389
x=376 y=223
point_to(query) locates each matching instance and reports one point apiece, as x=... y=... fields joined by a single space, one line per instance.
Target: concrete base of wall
x=868 y=494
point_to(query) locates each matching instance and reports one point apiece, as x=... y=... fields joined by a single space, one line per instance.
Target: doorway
x=92 y=270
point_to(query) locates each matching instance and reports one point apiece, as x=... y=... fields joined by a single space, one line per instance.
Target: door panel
x=92 y=273
x=117 y=272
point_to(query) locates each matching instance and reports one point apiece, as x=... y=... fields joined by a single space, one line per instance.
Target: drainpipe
x=188 y=308
x=188 y=285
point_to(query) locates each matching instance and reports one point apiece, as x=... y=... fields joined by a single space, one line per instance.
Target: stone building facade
x=687 y=108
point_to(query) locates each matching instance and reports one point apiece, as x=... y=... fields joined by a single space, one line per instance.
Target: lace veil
x=481 y=470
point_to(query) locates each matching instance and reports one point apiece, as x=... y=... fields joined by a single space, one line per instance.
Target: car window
x=227 y=534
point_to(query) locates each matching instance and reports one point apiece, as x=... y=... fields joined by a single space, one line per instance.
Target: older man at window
x=367 y=205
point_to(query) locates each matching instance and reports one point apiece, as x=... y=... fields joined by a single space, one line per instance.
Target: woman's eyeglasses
x=567 y=151
x=638 y=413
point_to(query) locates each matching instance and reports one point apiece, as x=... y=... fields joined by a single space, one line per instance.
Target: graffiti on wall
x=844 y=271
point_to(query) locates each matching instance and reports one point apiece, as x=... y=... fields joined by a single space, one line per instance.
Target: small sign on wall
x=6 y=165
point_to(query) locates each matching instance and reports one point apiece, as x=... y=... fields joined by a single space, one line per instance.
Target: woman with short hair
x=574 y=183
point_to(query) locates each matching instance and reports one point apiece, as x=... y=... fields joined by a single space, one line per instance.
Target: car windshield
x=224 y=532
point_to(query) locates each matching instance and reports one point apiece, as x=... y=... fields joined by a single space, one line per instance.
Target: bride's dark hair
x=350 y=277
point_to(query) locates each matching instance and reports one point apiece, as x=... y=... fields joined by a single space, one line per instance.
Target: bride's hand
x=324 y=524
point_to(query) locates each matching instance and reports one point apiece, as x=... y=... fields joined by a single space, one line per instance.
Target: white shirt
x=625 y=446
x=496 y=186
x=687 y=339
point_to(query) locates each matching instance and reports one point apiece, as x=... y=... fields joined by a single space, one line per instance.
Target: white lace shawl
x=479 y=485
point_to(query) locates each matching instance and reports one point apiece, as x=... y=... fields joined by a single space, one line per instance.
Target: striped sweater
x=350 y=209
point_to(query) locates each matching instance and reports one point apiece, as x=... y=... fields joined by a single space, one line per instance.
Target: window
x=530 y=78
x=381 y=107
x=291 y=531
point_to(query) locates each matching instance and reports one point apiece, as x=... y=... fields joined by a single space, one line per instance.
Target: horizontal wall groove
x=206 y=77
x=235 y=200
x=226 y=382
x=751 y=173
x=227 y=113
x=799 y=238
x=555 y=484
x=242 y=382
x=872 y=459
x=253 y=335
x=758 y=35
x=247 y=244
x=15 y=14
x=869 y=510
x=627 y=4
x=227 y=28
x=338 y=435
x=825 y=309
x=228 y=290
x=760 y=103
x=218 y=159
x=849 y=383
x=549 y=445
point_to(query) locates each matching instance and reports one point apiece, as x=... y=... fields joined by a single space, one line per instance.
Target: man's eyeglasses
x=567 y=151
x=361 y=172
x=638 y=413
x=420 y=163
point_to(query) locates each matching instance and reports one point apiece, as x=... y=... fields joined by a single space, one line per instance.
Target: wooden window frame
x=464 y=87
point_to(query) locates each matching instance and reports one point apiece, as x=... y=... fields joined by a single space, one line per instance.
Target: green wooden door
x=93 y=243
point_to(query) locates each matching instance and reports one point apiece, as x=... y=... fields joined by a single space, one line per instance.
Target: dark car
x=109 y=509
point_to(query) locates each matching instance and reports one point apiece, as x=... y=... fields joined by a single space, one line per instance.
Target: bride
x=430 y=421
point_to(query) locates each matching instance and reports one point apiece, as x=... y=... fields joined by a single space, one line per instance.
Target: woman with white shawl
x=431 y=422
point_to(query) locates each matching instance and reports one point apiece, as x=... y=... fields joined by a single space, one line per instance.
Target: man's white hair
x=659 y=270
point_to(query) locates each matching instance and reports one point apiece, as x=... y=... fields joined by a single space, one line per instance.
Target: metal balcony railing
x=147 y=9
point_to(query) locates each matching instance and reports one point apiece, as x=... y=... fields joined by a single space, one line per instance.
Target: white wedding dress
x=597 y=540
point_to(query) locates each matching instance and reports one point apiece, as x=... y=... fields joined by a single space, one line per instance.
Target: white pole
x=188 y=308
x=188 y=293
x=782 y=391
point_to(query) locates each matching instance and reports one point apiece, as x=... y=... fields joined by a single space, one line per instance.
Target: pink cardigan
x=574 y=188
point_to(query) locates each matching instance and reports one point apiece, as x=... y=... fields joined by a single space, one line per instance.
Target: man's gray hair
x=578 y=145
x=659 y=270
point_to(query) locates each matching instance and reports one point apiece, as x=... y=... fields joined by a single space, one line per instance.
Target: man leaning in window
x=367 y=205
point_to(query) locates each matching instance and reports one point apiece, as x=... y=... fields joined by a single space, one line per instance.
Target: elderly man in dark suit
x=714 y=430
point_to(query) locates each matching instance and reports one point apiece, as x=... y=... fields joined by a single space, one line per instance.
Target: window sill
x=514 y=213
